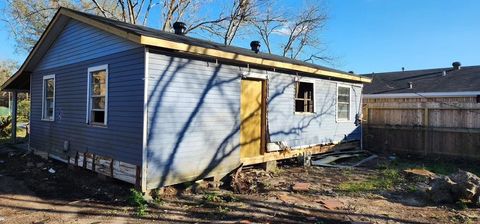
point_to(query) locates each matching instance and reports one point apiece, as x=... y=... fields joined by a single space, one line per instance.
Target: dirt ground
x=33 y=190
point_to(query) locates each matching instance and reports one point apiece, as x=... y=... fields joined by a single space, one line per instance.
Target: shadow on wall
x=167 y=160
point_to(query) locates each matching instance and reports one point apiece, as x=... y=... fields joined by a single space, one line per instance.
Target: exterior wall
x=79 y=42
x=446 y=126
x=193 y=119
x=122 y=138
x=310 y=129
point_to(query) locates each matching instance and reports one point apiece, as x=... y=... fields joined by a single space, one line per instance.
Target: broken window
x=343 y=103
x=48 y=101
x=98 y=91
x=304 y=97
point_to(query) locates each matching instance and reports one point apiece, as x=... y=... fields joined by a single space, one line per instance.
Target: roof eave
x=172 y=45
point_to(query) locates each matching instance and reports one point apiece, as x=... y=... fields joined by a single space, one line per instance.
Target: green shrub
x=5 y=126
x=23 y=110
x=136 y=199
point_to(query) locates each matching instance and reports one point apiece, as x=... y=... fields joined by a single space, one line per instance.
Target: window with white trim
x=48 y=98
x=97 y=102
x=304 y=97
x=343 y=103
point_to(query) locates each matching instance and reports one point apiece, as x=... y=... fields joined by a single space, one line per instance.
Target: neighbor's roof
x=152 y=37
x=466 y=79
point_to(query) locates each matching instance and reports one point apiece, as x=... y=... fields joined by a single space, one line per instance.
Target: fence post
x=425 y=132
x=14 y=118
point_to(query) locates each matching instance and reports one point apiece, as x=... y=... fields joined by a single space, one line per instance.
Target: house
x=425 y=112
x=155 y=108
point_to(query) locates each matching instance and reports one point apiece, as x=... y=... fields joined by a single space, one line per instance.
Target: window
x=343 y=103
x=48 y=98
x=97 y=102
x=304 y=97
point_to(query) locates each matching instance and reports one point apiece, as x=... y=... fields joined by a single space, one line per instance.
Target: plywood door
x=251 y=118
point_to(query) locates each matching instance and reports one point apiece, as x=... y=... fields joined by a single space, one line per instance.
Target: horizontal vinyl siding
x=193 y=118
x=79 y=42
x=122 y=138
x=308 y=129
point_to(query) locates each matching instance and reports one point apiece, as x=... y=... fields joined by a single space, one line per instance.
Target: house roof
x=152 y=37
x=465 y=79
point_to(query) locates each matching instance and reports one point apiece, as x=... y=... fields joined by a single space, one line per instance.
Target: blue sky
x=383 y=35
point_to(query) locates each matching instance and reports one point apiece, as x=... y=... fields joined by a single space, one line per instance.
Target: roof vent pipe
x=410 y=85
x=456 y=65
x=444 y=73
x=255 y=46
x=180 y=28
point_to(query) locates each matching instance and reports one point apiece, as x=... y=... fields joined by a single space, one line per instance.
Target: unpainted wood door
x=251 y=113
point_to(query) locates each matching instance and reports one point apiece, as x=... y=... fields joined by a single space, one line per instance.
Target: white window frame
x=46 y=77
x=314 y=98
x=349 y=104
x=89 y=98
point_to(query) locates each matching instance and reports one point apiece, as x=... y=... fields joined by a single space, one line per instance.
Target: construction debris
x=329 y=159
x=301 y=187
x=331 y=204
x=420 y=172
x=455 y=187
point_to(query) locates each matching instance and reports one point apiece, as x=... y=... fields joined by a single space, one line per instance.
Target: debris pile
x=461 y=185
x=248 y=181
x=348 y=158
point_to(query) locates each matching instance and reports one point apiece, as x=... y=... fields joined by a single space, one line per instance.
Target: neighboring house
x=157 y=108
x=426 y=112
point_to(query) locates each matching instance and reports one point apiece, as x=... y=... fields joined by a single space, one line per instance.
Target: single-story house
x=426 y=112
x=156 y=108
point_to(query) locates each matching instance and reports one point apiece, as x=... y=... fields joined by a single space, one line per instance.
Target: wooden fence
x=425 y=126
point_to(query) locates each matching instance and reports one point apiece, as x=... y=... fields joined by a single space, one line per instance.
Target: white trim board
x=421 y=95
x=146 y=76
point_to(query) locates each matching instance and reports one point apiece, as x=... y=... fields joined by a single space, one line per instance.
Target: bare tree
x=302 y=32
x=267 y=24
x=241 y=14
x=293 y=34
x=299 y=32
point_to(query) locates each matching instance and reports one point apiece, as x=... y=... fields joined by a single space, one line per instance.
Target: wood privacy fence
x=425 y=126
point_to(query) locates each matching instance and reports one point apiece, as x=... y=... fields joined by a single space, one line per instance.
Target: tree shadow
x=164 y=161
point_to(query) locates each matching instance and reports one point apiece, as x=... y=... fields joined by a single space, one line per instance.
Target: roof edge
x=157 y=42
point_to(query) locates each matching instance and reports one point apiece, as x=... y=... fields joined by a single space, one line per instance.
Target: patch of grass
x=136 y=199
x=387 y=179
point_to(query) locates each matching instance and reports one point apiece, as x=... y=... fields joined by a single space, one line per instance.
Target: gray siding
x=122 y=138
x=307 y=129
x=79 y=42
x=193 y=117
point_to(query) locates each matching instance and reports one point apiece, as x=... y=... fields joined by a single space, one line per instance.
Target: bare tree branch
x=100 y=8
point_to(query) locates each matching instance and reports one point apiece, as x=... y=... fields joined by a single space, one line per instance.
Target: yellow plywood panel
x=251 y=118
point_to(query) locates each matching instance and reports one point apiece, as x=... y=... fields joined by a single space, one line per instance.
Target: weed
x=212 y=197
x=136 y=199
